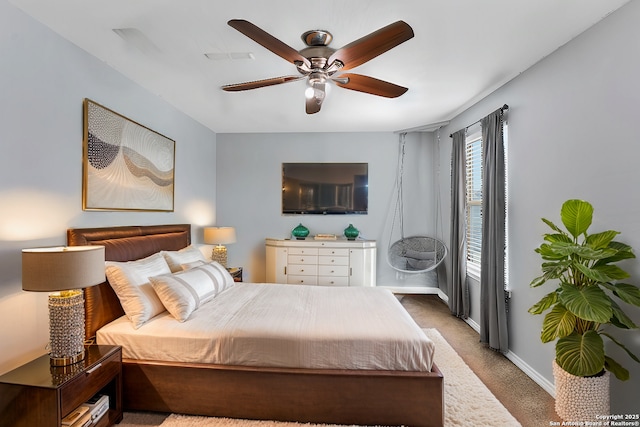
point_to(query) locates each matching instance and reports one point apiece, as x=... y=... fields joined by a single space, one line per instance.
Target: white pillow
x=228 y=278
x=184 y=292
x=130 y=281
x=175 y=259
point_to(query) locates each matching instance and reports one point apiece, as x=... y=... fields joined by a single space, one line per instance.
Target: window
x=474 y=200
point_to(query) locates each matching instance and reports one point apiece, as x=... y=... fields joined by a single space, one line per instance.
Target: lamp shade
x=219 y=235
x=62 y=268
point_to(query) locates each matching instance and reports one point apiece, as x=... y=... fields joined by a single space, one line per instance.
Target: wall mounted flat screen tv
x=325 y=188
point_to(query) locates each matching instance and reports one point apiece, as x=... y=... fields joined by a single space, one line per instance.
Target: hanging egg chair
x=414 y=254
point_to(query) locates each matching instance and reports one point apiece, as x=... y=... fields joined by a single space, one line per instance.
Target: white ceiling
x=462 y=50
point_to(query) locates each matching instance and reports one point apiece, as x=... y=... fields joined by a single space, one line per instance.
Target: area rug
x=468 y=402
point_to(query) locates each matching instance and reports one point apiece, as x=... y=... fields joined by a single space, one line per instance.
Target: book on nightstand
x=79 y=417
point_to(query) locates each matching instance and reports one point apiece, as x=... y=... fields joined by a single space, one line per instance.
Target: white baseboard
x=547 y=385
x=412 y=290
x=473 y=324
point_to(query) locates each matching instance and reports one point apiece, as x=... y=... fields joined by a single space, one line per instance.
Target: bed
x=303 y=394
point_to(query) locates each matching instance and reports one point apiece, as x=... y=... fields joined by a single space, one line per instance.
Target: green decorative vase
x=351 y=232
x=300 y=232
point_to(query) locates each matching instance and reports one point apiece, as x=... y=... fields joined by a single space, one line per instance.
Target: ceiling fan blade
x=368 y=47
x=370 y=85
x=265 y=39
x=237 y=87
x=313 y=103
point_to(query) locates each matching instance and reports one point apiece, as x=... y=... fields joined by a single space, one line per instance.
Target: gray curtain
x=459 y=292
x=493 y=316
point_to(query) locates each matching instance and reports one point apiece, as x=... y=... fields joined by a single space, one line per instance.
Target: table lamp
x=64 y=271
x=219 y=236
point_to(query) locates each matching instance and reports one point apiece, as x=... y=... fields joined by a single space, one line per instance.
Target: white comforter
x=284 y=326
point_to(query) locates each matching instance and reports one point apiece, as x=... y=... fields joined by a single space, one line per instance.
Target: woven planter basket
x=581 y=398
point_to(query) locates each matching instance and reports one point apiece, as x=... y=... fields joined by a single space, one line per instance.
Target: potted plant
x=581 y=307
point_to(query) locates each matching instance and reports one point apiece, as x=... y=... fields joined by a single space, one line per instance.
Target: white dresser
x=321 y=262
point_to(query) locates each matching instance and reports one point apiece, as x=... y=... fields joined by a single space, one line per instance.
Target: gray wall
x=249 y=196
x=43 y=80
x=573 y=133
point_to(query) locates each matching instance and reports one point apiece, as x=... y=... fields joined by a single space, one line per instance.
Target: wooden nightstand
x=38 y=394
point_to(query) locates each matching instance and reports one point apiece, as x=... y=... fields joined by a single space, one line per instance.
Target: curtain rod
x=504 y=107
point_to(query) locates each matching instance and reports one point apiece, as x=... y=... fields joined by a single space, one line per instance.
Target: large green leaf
x=538 y=281
x=576 y=215
x=591 y=254
x=623 y=251
x=589 y=303
x=602 y=273
x=551 y=270
x=546 y=302
x=601 y=240
x=626 y=292
x=549 y=252
x=565 y=249
x=555 y=269
x=620 y=318
x=558 y=237
x=616 y=369
x=559 y=322
x=581 y=355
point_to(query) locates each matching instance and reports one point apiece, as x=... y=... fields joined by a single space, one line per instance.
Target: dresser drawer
x=333 y=281
x=85 y=385
x=333 y=252
x=302 y=269
x=303 y=251
x=333 y=270
x=294 y=279
x=333 y=260
x=302 y=259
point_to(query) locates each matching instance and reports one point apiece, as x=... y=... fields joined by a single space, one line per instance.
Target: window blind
x=474 y=202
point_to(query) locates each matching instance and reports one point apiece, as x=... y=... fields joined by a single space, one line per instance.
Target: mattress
x=290 y=326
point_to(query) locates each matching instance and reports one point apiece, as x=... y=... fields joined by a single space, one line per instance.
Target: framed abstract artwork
x=126 y=166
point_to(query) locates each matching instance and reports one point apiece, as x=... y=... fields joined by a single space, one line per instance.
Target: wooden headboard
x=122 y=244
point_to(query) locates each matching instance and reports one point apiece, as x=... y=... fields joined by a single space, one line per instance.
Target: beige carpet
x=468 y=402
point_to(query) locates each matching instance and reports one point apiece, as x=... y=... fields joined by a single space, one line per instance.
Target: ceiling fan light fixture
x=309 y=92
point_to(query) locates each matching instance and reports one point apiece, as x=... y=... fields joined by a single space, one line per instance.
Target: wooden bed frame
x=361 y=397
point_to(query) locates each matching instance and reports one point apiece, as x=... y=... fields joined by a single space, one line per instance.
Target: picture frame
x=126 y=166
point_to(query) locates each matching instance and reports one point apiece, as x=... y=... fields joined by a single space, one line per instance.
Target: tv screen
x=325 y=188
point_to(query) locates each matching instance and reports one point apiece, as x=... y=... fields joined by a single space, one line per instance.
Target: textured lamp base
x=219 y=255
x=66 y=327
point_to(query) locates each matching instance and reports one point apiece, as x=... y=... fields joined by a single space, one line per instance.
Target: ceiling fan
x=320 y=64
